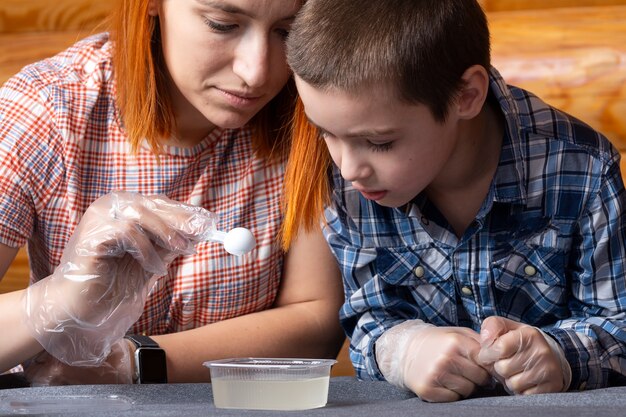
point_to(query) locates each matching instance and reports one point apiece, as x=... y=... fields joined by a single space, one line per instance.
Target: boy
x=480 y=231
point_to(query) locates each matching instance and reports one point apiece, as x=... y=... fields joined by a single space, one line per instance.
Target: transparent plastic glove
x=122 y=245
x=44 y=369
x=523 y=358
x=436 y=363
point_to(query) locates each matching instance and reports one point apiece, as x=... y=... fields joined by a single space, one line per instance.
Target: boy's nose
x=353 y=169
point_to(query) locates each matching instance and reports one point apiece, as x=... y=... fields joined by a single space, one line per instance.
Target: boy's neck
x=471 y=169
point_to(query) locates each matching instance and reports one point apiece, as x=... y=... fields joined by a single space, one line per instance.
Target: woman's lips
x=239 y=99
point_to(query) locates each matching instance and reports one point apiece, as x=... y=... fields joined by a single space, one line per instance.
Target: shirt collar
x=509 y=182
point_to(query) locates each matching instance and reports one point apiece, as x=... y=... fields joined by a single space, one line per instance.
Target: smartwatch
x=150 y=364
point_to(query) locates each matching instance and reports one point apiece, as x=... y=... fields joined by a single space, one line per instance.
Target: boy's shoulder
x=530 y=119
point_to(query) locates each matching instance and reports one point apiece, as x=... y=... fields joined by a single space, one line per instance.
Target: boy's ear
x=474 y=92
x=153 y=8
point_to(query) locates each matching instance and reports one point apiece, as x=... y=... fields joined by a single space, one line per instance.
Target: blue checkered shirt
x=547 y=248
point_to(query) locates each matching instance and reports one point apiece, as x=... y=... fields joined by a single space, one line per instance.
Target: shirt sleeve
x=372 y=305
x=594 y=337
x=29 y=160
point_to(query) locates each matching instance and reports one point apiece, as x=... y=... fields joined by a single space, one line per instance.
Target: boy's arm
x=593 y=339
x=389 y=339
x=372 y=307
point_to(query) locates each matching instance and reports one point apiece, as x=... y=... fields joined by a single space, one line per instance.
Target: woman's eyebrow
x=229 y=8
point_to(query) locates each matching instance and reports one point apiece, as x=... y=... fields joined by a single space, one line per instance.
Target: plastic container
x=270 y=384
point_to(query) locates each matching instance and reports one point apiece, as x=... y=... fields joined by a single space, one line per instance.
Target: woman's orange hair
x=142 y=97
x=142 y=86
x=307 y=186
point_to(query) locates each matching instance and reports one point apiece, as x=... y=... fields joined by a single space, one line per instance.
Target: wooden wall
x=19 y=16
x=45 y=15
x=501 y=5
x=574 y=58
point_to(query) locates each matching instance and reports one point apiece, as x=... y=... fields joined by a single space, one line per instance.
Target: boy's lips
x=373 y=195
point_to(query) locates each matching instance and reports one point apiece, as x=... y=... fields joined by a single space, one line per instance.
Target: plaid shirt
x=546 y=248
x=61 y=147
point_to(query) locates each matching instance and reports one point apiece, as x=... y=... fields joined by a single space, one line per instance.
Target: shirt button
x=530 y=270
x=419 y=271
x=466 y=291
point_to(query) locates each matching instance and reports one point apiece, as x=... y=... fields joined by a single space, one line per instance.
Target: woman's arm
x=17 y=344
x=303 y=323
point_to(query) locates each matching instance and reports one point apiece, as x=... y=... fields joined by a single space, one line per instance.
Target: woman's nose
x=252 y=60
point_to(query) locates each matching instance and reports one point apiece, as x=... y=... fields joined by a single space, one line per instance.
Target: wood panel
x=501 y=5
x=343 y=367
x=20 y=49
x=574 y=58
x=16 y=277
x=46 y=15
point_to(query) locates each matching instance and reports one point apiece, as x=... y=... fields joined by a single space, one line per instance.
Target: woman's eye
x=380 y=147
x=219 y=27
x=282 y=32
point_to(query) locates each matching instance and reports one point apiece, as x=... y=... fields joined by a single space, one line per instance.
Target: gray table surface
x=347 y=397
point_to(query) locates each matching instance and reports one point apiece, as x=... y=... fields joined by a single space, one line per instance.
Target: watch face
x=152 y=367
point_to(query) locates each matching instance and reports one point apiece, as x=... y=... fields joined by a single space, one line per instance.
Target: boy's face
x=390 y=150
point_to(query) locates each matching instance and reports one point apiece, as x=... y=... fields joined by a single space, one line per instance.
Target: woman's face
x=225 y=58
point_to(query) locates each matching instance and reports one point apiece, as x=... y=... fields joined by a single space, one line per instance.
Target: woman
x=185 y=99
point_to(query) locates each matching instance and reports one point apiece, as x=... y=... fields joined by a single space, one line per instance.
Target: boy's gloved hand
x=436 y=363
x=123 y=243
x=44 y=369
x=524 y=359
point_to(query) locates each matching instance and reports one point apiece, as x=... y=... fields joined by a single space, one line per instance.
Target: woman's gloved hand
x=436 y=363
x=123 y=243
x=523 y=358
x=44 y=369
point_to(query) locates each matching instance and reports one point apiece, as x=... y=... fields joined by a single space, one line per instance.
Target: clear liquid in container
x=301 y=394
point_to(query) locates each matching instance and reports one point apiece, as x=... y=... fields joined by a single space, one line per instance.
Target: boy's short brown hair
x=419 y=47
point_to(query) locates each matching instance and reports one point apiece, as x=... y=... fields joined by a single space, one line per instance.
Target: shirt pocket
x=413 y=265
x=531 y=285
x=422 y=274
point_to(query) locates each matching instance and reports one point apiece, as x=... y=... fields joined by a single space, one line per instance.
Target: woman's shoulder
x=64 y=89
x=59 y=99
x=86 y=65
x=95 y=49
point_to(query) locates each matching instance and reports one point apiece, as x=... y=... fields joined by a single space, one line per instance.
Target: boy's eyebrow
x=312 y=123
x=229 y=8
x=368 y=133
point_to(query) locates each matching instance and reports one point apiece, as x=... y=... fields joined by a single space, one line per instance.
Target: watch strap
x=141 y=340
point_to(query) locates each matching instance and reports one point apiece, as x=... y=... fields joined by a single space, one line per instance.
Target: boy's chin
x=387 y=202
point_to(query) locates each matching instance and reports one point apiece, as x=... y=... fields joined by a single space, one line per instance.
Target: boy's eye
x=380 y=147
x=323 y=134
x=219 y=27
